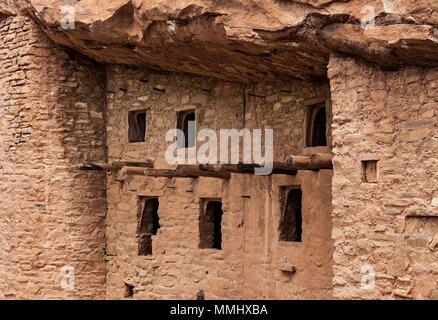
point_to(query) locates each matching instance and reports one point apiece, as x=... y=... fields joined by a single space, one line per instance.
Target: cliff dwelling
x=271 y=149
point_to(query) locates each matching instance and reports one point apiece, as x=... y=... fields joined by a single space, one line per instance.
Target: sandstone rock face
x=245 y=40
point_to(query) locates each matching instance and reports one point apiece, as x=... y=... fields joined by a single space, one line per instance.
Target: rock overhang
x=244 y=40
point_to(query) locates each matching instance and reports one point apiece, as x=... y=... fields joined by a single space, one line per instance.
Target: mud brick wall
x=391 y=225
x=51 y=214
x=252 y=257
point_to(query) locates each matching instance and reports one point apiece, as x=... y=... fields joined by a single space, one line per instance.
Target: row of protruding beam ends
x=223 y=171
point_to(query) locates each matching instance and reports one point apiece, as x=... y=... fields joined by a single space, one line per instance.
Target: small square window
x=369 y=171
x=137 y=126
x=187 y=124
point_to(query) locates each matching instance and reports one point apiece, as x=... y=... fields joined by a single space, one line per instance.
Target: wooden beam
x=277 y=168
x=194 y=170
x=244 y=168
x=313 y=162
x=138 y=171
x=223 y=171
x=96 y=166
x=115 y=165
x=181 y=171
x=147 y=164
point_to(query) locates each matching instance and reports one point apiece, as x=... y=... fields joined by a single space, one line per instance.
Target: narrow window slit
x=291 y=220
x=316 y=126
x=210 y=226
x=149 y=225
x=187 y=123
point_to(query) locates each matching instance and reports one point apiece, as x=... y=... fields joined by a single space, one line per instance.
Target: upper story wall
x=277 y=105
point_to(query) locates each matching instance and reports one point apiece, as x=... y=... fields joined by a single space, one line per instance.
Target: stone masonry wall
x=251 y=261
x=391 y=225
x=51 y=214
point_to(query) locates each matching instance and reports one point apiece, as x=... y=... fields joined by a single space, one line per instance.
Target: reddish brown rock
x=245 y=40
x=7 y=8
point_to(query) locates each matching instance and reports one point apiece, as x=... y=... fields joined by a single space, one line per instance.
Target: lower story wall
x=266 y=259
x=252 y=264
x=385 y=221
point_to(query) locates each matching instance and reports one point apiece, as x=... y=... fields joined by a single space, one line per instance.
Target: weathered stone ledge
x=244 y=40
